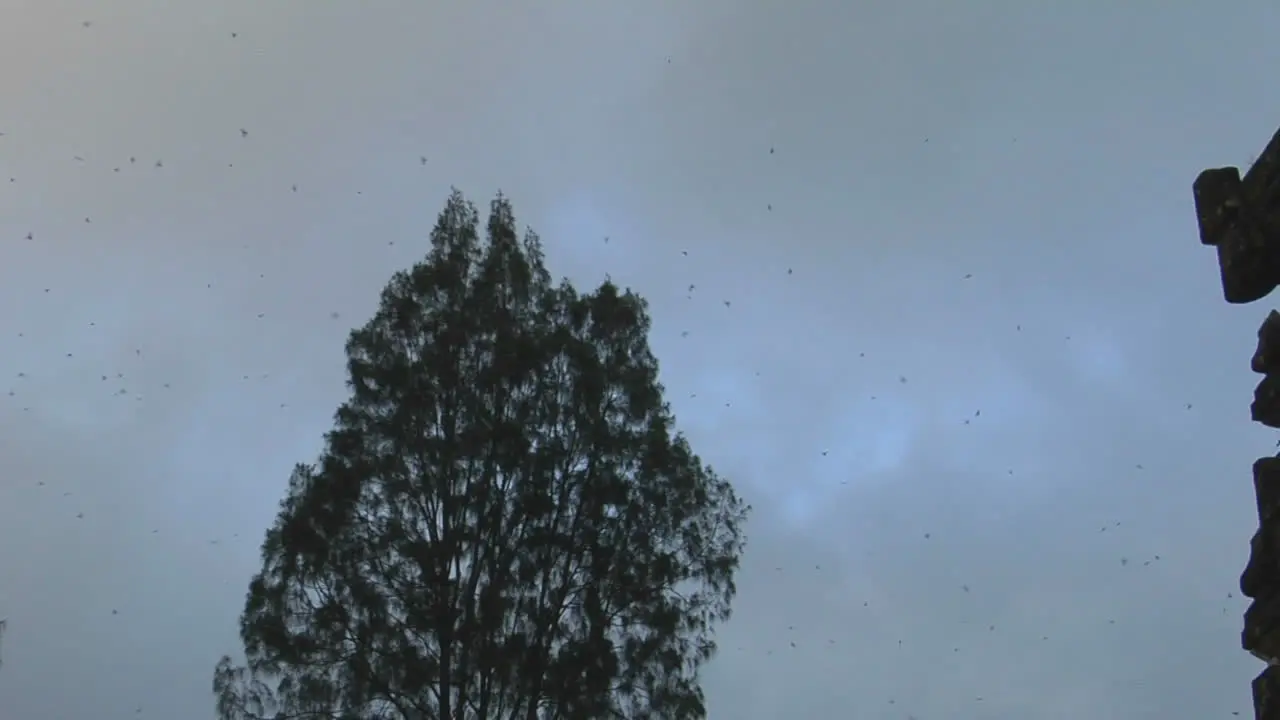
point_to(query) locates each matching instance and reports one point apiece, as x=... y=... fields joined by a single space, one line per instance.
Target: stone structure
x=1241 y=218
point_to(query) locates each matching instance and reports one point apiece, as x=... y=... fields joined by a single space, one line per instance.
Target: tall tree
x=503 y=524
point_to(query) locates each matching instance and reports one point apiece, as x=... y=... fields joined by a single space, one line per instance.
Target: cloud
x=955 y=196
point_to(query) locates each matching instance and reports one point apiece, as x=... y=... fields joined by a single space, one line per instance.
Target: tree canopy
x=504 y=522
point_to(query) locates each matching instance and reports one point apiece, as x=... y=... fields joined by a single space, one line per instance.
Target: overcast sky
x=976 y=375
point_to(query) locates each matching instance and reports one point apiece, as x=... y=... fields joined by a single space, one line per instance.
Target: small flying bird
x=244 y=133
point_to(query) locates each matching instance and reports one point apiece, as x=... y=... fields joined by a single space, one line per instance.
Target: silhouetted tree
x=503 y=523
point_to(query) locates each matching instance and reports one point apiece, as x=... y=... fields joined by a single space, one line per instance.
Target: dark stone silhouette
x=1266 y=693
x=1266 y=402
x=1266 y=359
x=1261 y=634
x=1241 y=218
x=1261 y=572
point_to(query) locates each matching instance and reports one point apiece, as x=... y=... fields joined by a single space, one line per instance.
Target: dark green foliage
x=504 y=523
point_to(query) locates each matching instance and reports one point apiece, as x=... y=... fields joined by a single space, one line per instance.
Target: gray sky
x=990 y=200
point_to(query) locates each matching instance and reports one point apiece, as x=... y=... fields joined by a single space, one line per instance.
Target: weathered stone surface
x=1266 y=402
x=1247 y=260
x=1266 y=487
x=1261 y=577
x=1261 y=635
x=1266 y=359
x=1217 y=193
x=1241 y=218
x=1266 y=694
x=1259 y=185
